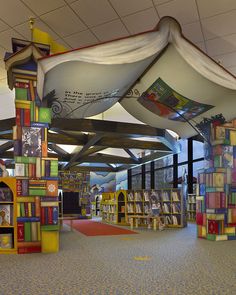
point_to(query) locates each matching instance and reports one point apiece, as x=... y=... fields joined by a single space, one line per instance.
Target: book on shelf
x=6 y=194
x=6 y=241
x=6 y=215
x=138 y=196
x=31 y=141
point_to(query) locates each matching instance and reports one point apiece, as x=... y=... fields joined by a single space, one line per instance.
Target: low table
x=135 y=218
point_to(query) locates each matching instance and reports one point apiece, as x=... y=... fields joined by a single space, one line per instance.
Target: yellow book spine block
x=230 y=230
x=203 y=231
x=215 y=216
x=25 y=199
x=38 y=231
x=221 y=237
x=18 y=209
x=50 y=241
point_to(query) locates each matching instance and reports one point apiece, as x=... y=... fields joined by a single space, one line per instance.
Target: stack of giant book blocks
x=36 y=174
x=216 y=196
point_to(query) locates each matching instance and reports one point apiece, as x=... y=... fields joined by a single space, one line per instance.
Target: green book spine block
x=21 y=94
x=37 y=192
x=27 y=231
x=211 y=237
x=49 y=227
x=45 y=115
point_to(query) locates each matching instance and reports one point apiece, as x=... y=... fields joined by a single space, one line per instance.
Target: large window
x=166 y=172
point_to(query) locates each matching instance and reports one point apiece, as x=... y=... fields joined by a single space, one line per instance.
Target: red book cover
x=50 y=215
x=18 y=187
x=213 y=227
x=21 y=85
x=25 y=250
x=37 y=206
x=199 y=218
x=20 y=231
x=18 y=116
x=27 y=117
x=42 y=216
x=26 y=209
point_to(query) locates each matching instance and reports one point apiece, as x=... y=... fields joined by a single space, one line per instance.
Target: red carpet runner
x=93 y=228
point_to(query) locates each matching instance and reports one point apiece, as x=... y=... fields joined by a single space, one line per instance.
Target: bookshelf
x=8 y=229
x=108 y=207
x=191 y=207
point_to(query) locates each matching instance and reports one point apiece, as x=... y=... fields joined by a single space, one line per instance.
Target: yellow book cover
x=232 y=137
x=218 y=180
x=30 y=209
x=38 y=231
x=43 y=168
x=18 y=209
x=219 y=132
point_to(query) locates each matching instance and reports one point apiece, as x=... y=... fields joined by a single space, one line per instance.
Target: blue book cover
x=28 y=219
x=202 y=189
x=55 y=215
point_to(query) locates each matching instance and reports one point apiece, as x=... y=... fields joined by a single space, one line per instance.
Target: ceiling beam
x=6 y=146
x=128 y=151
x=103 y=126
x=108 y=159
x=7 y=124
x=91 y=168
x=78 y=155
x=54 y=147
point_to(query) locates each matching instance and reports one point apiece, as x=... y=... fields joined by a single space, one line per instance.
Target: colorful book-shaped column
x=36 y=173
x=216 y=195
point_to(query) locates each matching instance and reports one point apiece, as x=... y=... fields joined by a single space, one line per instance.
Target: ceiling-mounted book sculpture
x=159 y=77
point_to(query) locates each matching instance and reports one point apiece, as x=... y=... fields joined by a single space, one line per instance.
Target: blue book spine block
x=231 y=237
x=55 y=215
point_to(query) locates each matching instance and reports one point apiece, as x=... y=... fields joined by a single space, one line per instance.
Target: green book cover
x=211 y=237
x=27 y=231
x=49 y=227
x=45 y=115
x=37 y=192
x=21 y=93
x=25 y=160
x=22 y=209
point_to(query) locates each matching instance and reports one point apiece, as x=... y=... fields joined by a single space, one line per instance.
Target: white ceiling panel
x=193 y=32
x=4 y=87
x=64 y=21
x=9 y=104
x=227 y=60
x=209 y=8
x=44 y=6
x=14 y=12
x=184 y=11
x=158 y=2
x=2 y=52
x=3 y=26
x=125 y=7
x=94 y=12
x=3 y=72
x=24 y=29
x=81 y=39
x=220 y=25
x=109 y=31
x=141 y=21
x=232 y=70
x=6 y=37
x=218 y=46
x=201 y=45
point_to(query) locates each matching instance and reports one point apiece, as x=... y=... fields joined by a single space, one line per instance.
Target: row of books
x=28 y=231
x=216 y=200
x=41 y=167
x=28 y=209
x=37 y=187
x=49 y=215
x=171 y=208
x=172 y=220
x=28 y=111
x=153 y=196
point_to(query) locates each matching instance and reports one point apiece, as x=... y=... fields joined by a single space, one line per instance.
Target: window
x=164 y=178
x=183 y=155
x=163 y=162
x=137 y=182
x=148 y=180
x=198 y=149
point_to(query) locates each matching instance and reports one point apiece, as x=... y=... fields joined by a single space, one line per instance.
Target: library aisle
x=169 y=262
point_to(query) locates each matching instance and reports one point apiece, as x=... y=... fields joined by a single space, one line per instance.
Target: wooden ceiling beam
x=132 y=156
x=78 y=155
x=103 y=126
x=91 y=168
x=6 y=146
x=108 y=159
